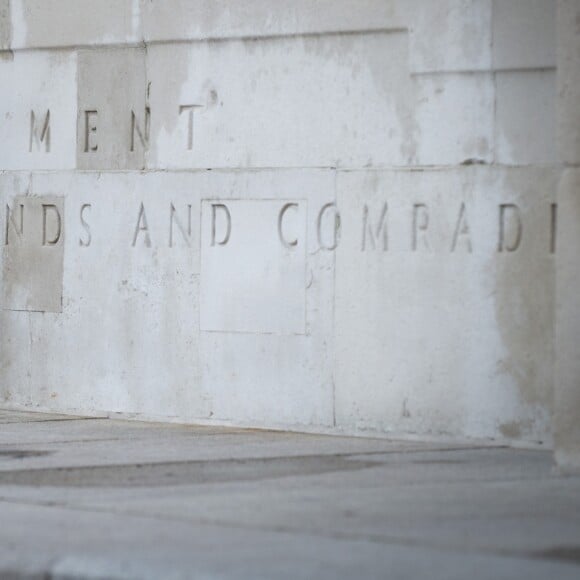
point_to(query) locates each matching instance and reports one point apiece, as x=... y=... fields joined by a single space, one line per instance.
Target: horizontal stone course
x=431 y=271
x=445 y=36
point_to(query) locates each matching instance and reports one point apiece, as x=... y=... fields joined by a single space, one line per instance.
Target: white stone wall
x=325 y=215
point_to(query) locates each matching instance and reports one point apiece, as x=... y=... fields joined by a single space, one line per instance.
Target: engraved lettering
x=143 y=135
x=90 y=130
x=381 y=228
x=37 y=137
x=336 y=229
x=420 y=225
x=174 y=219
x=87 y=241
x=553 y=226
x=189 y=109
x=142 y=227
x=509 y=213
x=10 y=220
x=286 y=243
x=462 y=231
x=214 y=208
x=46 y=240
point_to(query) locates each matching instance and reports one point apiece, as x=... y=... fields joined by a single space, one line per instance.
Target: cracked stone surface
x=100 y=498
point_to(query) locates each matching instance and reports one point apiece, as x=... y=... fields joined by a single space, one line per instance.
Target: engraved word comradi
x=374 y=227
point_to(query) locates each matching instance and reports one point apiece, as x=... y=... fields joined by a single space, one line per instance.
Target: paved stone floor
x=97 y=498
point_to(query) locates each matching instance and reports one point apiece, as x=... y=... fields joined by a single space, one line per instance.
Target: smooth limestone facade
x=314 y=215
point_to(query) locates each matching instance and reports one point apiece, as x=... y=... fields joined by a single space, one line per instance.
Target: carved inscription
x=90 y=131
x=462 y=231
x=139 y=129
x=329 y=208
x=175 y=221
x=420 y=225
x=223 y=209
x=509 y=214
x=86 y=242
x=553 y=224
x=371 y=236
x=142 y=228
x=39 y=135
x=222 y=224
x=286 y=242
x=136 y=129
x=51 y=226
x=189 y=109
x=11 y=221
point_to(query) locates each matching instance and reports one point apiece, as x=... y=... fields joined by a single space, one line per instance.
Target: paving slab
x=103 y=498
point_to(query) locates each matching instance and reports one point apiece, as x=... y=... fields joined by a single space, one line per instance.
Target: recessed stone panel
x=33 y=252
x=253 y=266
x=113 y=119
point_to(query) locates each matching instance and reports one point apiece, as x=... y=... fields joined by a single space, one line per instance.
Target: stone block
x=38 y=102
x=526 y=118
x=58 y=23
x=5 y=25
x=453 y=119
x=203 y=19
x=281 y=373
x=323 y=100
x=569 y=81
x=253 y=275
x=113 y=117
x=524 y=34
x=450 y=35
x=444 y=302
x=567 y=387
x=33 y=253
x=127 y=337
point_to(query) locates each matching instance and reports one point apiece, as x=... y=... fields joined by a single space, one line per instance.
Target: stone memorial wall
x=316 y=215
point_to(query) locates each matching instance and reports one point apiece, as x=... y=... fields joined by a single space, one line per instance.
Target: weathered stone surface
x=324 y=100
x=290 y=350
x=211 y=267
x=203 y=19
x=450 y=35
x=524 y=33
x=33 y=253
x=146 y=310
x=127 y=338
x=57 y=23
x=567 y=392
x=113 y=124
x=250 y=283
x=451 y=293
x=38 y=95
x=567 y=377
x=453 y=120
